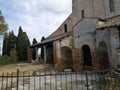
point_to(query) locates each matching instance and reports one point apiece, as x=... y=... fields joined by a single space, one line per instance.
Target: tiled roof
x=50 y=39
x=114 y=21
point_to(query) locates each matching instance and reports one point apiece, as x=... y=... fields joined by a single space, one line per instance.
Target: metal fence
x=52 y=80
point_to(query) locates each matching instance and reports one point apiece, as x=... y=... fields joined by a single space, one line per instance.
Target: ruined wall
x=114 y=42
x=110 y=37
x=84 y=34
x=58 y=44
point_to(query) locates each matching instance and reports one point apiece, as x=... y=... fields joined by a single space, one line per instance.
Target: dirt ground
x=24 y=67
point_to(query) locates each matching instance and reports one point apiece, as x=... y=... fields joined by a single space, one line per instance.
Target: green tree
x=9 y=43
x=34 y=49
x=22 y=45
x=42 y=48
x=12 y=40
x=3 y=25
x=3 y=29
x=5 y=45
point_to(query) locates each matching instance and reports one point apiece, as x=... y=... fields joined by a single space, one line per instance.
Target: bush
x=5 y=60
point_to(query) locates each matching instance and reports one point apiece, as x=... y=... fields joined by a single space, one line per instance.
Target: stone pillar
x=29 y=55
x=45 y=55
x=37 y=58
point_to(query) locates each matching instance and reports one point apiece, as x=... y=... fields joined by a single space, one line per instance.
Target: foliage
x=22 y=45
x=5 y=45
x=42 y=48
x=5 y=60
x=9 y=43
x=3 y=25
x=34 y=50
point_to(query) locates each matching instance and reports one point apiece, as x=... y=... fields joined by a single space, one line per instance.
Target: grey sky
x=37 y=17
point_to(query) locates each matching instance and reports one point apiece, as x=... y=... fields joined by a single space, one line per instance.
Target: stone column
x=45 y=55
x=29 y=55
x=37 y=58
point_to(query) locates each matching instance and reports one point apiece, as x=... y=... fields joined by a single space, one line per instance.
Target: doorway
x=86 y=56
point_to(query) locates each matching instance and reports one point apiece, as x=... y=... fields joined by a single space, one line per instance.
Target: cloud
x=37 y=17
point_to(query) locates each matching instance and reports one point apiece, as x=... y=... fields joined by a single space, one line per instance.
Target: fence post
x=17 y=78
x=87 y=79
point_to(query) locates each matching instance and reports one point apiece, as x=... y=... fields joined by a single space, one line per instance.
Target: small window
x=82 y=13
x=65 y=28
x=111 y=2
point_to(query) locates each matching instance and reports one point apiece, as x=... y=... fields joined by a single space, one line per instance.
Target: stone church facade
x=88 y=39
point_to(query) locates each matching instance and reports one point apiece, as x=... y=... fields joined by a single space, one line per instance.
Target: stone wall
x=78 y=63
x=60 y=29
x=58 y=45
x=84 y=34
x=78 y=60
x=94 y=8
x=107 y=8
x=111 y=38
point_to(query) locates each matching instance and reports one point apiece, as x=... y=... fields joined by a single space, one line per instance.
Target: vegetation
x=16 y=46
x=5 y=60
x=13 y=46
x=22 y=45
x=34 y=50
x=3 y=25
x=9 y=43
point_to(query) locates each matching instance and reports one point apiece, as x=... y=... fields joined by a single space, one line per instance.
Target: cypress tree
x=5 y=45
x=22 y=45
x=34 y=50
x=12 y=40
x=9 y=43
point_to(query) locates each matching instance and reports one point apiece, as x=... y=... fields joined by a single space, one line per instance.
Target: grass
x=26 y=68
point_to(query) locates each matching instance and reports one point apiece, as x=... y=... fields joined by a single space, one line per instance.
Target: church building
x=88 y=39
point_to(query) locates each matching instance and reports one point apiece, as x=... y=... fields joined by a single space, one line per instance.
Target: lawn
x=23 y=67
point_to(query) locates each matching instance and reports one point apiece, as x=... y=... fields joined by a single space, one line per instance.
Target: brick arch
x=66 y=57
x=103 y=56
x=102 y=46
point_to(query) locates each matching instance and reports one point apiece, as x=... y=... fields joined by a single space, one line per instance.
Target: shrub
x=5 y=60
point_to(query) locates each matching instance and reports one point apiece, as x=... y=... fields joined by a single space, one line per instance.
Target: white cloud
x=37 y=17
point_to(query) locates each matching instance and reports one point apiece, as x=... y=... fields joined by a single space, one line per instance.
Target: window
x=65 y=28
x=82 y=13
x=111 y=2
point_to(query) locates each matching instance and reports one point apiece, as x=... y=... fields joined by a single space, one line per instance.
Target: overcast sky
x=37 y=17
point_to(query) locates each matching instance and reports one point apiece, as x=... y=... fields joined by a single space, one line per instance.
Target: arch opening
x=103 y=56
x=66 y=57
x=87 y=55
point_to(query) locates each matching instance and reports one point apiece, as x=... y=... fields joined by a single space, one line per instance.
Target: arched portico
x=103 y=56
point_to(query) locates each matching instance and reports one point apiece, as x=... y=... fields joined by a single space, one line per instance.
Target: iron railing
x=52 y=80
